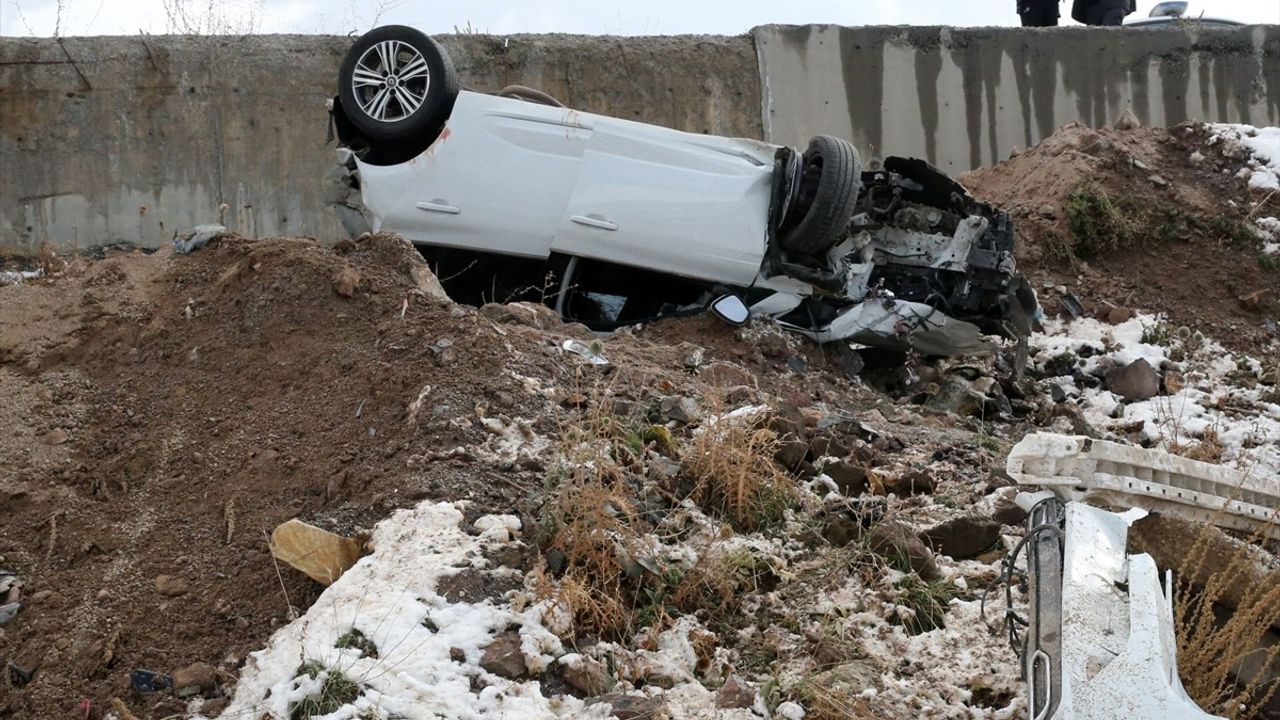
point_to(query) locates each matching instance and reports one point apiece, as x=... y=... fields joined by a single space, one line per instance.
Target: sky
x=609 y=17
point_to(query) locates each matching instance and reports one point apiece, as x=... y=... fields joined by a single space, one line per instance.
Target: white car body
x=590 y=186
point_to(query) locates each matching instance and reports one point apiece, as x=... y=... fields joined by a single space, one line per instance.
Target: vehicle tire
x=831 y=177
x=397 y=84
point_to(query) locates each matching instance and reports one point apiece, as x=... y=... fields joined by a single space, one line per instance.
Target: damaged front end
x=925 y=267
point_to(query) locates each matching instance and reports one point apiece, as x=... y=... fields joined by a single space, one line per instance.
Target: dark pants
x=1101 y=12
x=1038 y=13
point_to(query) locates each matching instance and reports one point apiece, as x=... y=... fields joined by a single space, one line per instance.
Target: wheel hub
x=390 y=81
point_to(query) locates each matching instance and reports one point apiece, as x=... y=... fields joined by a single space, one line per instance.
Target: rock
x=213 y=707
x=850 y=478
x=727 y=374
x=811 y=416
x=1254 y=301
x=171 y=586
x=736 y=693
x=586 y=675
x=1007 y=512
x=503 y=657
x=457 y=655
x=681 y=409
x=691 y=356
x=1128 y=121
x=791 y=454
x=346 y=281
x=56 y=436
x=898 y=543
x=633 y=707
x=964 y=537
x=912 y=482
x=194 y=679
x=344 y=246
x=322 y=555
x=1172 y=382
x=827 y=445
x=1158 y=181
x=1117 y=315
x=1134 y=382
x=957 y=395
x=532 y=315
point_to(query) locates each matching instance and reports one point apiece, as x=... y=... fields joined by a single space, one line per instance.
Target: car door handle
x=440 y=206
x=595 y=221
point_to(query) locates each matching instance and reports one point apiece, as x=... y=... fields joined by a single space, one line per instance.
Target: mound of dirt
x=1143 y=218
x=165 y=412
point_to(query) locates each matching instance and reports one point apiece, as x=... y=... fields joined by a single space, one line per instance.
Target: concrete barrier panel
x=127 y=139
x=966 y=97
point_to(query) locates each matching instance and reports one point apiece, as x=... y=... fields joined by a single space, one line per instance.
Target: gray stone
x=850 y=478
x=964 y=537
x=503 y=657
x=736 y=693
x=1135 y=382
x=194 y=679
x=681 y=409
x=633 y=707
x=588 y=676
x=898 y=543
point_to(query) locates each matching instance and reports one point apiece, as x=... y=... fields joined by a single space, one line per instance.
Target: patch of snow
x=17 y=277
x=390 y=596
x=1209 y=402
x=1261 y=146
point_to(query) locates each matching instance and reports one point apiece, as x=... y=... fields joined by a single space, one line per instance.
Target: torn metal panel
x=1081 y=468
x=1113 y=646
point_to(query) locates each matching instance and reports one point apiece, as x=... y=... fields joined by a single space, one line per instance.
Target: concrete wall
x=128 y=138
x=964 y=98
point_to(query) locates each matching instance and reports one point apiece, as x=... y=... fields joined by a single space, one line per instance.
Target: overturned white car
x=514 y=197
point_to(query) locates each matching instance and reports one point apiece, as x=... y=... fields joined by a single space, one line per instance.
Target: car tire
x=397 y=85
x=831 y=176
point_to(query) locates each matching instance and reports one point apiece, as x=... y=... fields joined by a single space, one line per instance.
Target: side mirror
x=1174 y=9
x=731 y=309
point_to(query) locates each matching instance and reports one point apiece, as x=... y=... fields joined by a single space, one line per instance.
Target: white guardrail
x=1083 y=469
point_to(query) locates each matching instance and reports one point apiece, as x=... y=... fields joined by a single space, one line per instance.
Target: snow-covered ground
x=1221 y=392
x=1260 y=147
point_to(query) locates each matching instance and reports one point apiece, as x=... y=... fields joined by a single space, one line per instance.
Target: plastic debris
x=199 y=236
x=590 y=353
x=149 y=681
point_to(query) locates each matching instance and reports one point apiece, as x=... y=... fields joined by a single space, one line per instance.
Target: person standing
x=1102 y=12
x=1038 y=13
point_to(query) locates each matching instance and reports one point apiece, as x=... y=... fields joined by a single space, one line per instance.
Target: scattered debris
x=322 y=555
x=197 y=237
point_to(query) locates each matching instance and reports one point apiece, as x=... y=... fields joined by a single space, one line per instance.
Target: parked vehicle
x=1174 y=13
x=613 y=222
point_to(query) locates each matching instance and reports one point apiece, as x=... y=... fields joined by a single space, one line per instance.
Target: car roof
x=1167 y=20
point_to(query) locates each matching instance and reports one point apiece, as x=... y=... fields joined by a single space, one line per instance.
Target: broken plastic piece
x=1081 y=468
x=199 y=236
x=148 y=681
x=583 y=350
x=322 y=555
x=1100 y=642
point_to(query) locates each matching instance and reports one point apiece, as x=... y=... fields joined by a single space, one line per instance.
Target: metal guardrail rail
x=1081 y=468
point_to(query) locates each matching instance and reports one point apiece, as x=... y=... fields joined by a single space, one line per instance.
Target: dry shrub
x=1223 y=658
x=590 y=530
x=735 y=476
x=1209 y=449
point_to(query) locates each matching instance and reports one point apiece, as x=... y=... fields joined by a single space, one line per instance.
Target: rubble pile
x=680 y=520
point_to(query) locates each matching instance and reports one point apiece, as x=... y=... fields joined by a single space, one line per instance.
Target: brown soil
x=1191 y=257
x=164 y=413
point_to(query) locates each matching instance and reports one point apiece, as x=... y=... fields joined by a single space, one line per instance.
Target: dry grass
x=735 y=476
x=1223 y=658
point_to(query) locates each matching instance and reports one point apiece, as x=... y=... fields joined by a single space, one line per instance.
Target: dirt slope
x=1146 y=218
